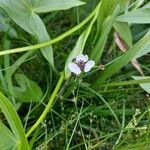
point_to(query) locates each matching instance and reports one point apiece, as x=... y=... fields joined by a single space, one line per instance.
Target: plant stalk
x=49 y=105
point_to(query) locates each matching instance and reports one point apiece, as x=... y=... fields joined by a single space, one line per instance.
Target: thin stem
x=74 y=129
x=124 y=83
x=49 y=105
x=57 y=39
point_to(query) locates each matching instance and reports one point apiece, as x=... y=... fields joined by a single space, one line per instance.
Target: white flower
x=81 y=63
x=82 y=57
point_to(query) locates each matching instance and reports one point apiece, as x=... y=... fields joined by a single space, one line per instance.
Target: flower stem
x=48 y=107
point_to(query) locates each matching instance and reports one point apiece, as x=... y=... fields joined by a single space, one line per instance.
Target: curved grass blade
x=141 y=16
x=49 y=5
x=124 y=31
x=145 y=86
x=107 y=104
x=121 y=61
x=7 y=138
x=107 y=26
x=14 y=122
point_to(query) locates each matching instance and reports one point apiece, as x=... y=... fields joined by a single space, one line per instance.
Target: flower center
x=81 y=64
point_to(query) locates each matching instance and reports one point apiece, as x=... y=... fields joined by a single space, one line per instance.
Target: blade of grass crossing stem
x=75 y=127
x=121 y=61
x=19 y=61
x=107 y=104
x=107 y=26
x=14 y=122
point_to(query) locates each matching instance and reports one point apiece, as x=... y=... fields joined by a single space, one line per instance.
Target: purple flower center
x=81 y=64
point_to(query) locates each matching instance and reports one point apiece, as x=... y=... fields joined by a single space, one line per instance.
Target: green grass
x=43 y=106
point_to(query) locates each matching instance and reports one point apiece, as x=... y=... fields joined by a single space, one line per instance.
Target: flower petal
x=74 y=68
x=89 y=65
x=86 y=58
x=82 y=57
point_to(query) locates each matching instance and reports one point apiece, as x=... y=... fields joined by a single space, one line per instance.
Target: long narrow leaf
x=14 y=122
x=43 y=6
x=124 y=31
x=98 y=50
x=145 y=86
x=120 y=62
x=7 y=138
x=143 y=52
x=141 y=16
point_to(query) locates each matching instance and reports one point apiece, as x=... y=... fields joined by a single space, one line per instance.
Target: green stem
x=49 y=105
x=57 y=39
x=124 y=83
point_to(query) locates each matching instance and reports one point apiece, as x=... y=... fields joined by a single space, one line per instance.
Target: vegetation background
x=43 y=106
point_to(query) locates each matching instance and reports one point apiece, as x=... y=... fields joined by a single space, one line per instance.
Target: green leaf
x=143 y=52
x=6 y=27
x=121 y=61
x=14 y=122
x=147 y=6
x=23 y=15
x=141 y=16
x=107 y=26
x=106 y=10
x=124 y=31
x=28 y=90
x=43 y=6
x=145 y=86
x=78 y=49
x=19 y=61
x=7 y=138
x=124 y=4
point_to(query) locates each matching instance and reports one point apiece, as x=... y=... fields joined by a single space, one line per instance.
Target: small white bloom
x=82 y=57
x=74 y=68
x=80 y=64
x=89 y=65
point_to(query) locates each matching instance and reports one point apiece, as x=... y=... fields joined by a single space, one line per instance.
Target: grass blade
x=121 y=61
x=14 y=122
